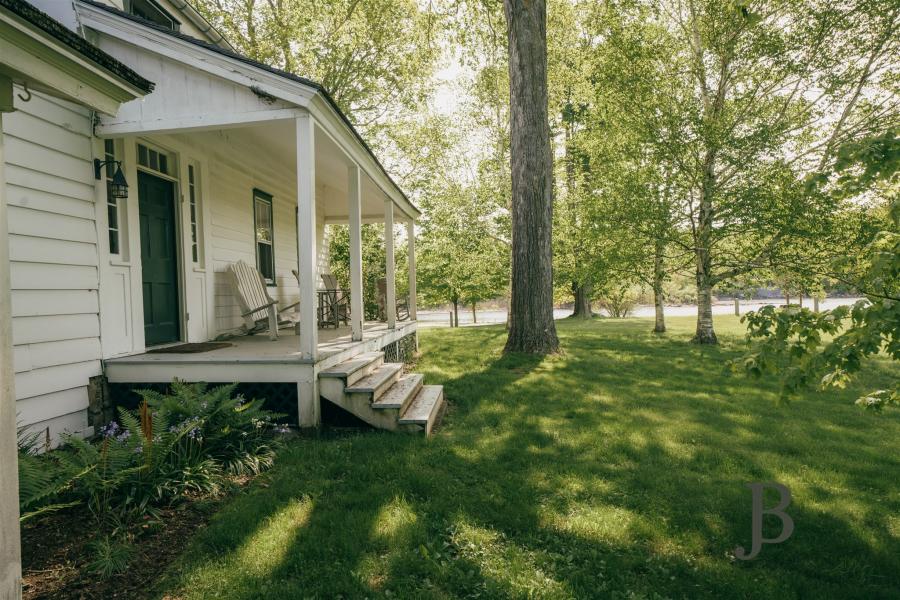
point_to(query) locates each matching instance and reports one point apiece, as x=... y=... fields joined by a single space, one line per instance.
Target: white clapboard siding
x=33 y=330
x=38 y=382
x=53 y=251
x=49 y=202
x=75 y=422
x=36 y=303
x=52 y=405
x=39 y=276
x=32 y=177
x=43 y=224
x=53 y=261
x=55 y=353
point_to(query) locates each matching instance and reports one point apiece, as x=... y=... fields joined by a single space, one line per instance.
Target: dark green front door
x=159 y=259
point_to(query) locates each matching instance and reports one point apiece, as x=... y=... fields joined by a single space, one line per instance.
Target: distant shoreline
x=438 y=318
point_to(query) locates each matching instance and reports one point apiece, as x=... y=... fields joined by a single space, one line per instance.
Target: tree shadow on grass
x=562 y=477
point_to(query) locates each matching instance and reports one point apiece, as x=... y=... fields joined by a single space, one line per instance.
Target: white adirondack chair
x=256 y=304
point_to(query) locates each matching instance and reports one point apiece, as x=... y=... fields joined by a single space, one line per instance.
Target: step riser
x=421 y=422
x=411 y=395
x=359 y=405
x=365 y=371
x=381 y=387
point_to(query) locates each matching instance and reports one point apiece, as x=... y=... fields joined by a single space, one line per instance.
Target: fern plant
x=44 y=479
x=230 y=429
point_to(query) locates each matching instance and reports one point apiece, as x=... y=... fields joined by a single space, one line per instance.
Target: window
x=153 y=12
x=194 y=201
x=112 y=203
x=153 y=159
x=265 y=235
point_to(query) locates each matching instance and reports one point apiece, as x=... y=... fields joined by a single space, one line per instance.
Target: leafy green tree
x=765 y=93
x=459 y=260
x=804 y=348
x=375 y=57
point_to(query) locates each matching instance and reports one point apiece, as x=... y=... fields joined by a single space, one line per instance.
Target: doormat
x=190 y=348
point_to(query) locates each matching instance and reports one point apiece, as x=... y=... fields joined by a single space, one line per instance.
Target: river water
x=433 y=318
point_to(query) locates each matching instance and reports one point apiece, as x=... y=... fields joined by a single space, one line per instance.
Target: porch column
x=411 y=246
x=356 y=287
x=391 y=293
x=306 y=236
x=10 y=549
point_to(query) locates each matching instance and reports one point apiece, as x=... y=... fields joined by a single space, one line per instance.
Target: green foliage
x=803 y=348
x=111 y=556
x=219 y=424
x=182 y=444
x=43 y=478
x=373 y=260
x=375 y=57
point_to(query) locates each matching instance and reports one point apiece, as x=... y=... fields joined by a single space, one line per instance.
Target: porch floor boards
x=260 y=349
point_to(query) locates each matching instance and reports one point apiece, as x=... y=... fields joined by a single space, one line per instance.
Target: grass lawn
x=616 y=470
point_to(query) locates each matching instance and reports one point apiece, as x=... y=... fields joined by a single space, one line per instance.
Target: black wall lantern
x=118 y=186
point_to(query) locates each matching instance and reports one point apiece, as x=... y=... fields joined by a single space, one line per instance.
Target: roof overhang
x=30 y=55
x=285 y=92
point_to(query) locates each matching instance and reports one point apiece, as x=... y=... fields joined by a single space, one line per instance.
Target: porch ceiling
x=331 y=169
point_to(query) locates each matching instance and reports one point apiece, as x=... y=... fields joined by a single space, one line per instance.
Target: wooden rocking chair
x=257 y=307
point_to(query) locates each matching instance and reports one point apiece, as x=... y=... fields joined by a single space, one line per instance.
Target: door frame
x=177 y=198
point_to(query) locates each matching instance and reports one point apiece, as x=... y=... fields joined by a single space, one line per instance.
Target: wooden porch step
x=356 y=368
x=425 y=409
x=378 y=382
x=401 y=393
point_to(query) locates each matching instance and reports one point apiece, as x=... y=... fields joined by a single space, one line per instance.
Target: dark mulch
x=56 y=552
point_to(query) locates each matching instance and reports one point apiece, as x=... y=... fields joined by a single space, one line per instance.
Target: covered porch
x=262 y=162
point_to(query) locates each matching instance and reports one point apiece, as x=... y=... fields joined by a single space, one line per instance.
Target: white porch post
x=306 y=235
x=411 y=246
x=391 y=293
x=10 y=547
x=354 y=210
x=308 y=404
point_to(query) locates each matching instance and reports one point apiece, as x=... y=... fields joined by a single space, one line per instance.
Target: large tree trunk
x=531 y=327
x=582 y=293
x=659 y=275
x=705 y=333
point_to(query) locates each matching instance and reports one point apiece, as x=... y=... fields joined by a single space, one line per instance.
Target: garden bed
x=56 y=552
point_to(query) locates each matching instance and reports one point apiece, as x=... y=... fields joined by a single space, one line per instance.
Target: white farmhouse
x=227 y=164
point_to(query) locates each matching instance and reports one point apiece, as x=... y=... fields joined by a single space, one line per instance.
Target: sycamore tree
x=531 y=326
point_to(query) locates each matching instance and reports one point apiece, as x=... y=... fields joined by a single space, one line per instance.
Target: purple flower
x=110 y=430
x=282 y=429
x=123 y=436
x=138 y=449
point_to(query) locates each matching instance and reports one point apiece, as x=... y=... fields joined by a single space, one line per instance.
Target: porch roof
x=40 y=52
x=276 y=92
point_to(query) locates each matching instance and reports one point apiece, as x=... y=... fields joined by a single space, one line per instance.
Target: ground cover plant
x=616 y=469
x=131 y=480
